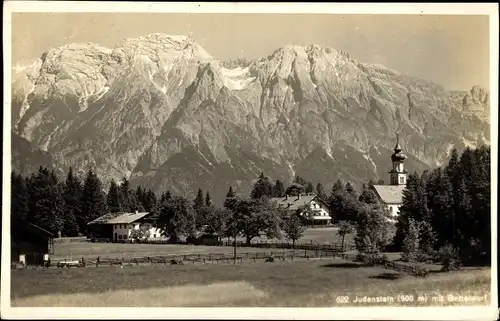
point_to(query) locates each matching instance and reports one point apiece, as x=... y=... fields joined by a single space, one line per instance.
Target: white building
x=121 y=226
x=392 y=195
x=318 y=208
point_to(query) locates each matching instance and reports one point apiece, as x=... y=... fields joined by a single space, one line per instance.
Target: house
x=30 y=244
x=319 y=209
x=392 y=195
x=121 y=226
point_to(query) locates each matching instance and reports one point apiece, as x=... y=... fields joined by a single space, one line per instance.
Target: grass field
x=284 y=284
x=118 y=250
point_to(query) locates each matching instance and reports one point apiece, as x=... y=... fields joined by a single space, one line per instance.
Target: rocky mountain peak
x=161 y=111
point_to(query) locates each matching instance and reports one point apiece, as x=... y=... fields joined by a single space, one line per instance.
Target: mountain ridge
x=163 y=112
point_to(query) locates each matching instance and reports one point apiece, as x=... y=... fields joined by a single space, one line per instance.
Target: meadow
x=118 y=250
x=312 y=283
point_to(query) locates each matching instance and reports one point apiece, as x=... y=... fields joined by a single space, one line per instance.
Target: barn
x=29 y=243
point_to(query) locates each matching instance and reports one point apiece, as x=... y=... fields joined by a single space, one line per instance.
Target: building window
x=401 y=180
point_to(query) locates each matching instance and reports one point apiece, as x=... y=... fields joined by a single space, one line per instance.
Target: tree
x=230 y=200
x=299 y=180
x=199 y=200
x=293 y=227
x=338 y=188
x=217 y=222
x=129 y=202
x=251 y=217
x=309 y=188
x=198 y=207
x=19 y=196
x=295 y=189
x=373 y=231
x=349 y=188
x=165 y=197
x=407 y=210
x=320 y=192
x=146 y=199
x=278 y=189
x=142 y=233
x=367 y=195
x=113 y=198
x=208 y=200
x=149 y=200
x=345 y=228
x=175 y=217
x=93 y=200
x=72 y=194
x=263 y=187
x=410 y=244
x=46 y=202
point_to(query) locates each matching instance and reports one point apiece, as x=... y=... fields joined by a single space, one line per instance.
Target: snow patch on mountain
x=368 y=158
x=237 y=78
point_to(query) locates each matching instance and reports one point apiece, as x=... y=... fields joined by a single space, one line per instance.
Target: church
x=392 y=194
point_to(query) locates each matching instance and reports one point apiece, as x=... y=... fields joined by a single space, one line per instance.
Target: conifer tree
x=165 y=197
x=114 y=198
x=309 y=188
x=367 y=195
x=208 y=199
x=349 y=188
x=93 y=201
x=410 y=245
x=149 y=200
x=263 y=187
x=19 y=196
x=278 y=189
x=46 y=202
x=320 y=192
x=128 y=199
x=72 y=193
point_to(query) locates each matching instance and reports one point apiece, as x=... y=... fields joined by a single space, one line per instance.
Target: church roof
x=390 y=194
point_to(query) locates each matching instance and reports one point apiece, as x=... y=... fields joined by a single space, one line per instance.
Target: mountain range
x=161 y=111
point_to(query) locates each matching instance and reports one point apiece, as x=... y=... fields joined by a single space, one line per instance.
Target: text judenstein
x=373 y=299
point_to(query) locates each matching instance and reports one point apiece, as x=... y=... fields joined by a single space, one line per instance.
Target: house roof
x=19 y=221
x=293 y=202
x=390 y=194
x=119 y=218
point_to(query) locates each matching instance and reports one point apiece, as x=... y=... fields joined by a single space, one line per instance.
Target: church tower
x=398 y=173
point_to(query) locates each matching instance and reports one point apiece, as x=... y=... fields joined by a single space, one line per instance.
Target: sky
x=450 y=50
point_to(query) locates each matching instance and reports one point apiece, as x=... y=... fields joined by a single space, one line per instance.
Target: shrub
x=269 y=259
x=449 y=258
x=175 y=262
x=425 y=257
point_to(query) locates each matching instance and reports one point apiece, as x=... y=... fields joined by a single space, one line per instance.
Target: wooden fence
x=210 y=258
x=218 y=258
x=268 y=245
x=79 y=239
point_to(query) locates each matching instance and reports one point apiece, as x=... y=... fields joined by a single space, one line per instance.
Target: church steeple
x=398 y=173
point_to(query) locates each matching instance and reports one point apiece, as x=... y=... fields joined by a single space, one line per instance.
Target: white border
x=442 y=313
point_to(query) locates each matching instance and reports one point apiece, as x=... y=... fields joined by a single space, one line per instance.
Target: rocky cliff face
x=162 y=111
